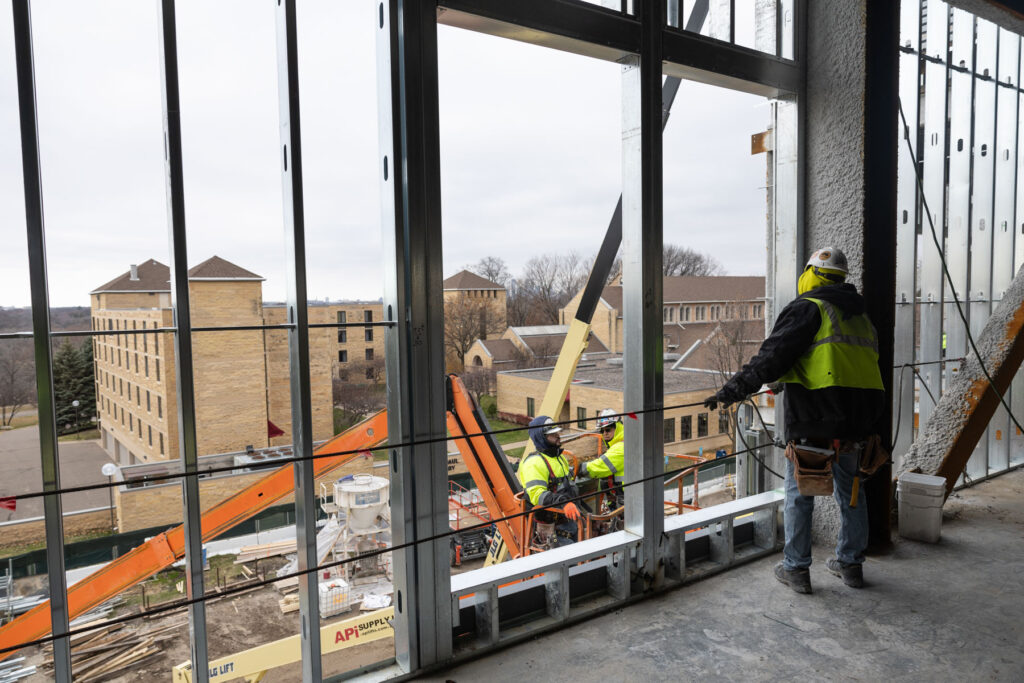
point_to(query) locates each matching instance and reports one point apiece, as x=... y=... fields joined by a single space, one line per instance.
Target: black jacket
x=829 y=413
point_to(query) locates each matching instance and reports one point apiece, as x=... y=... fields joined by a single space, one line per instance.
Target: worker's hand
x=776 y=387
x=571 y=511
x=711 y=402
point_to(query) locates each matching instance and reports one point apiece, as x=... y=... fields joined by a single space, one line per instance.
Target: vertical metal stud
x=183 y=337
x=906 y=235
x=722 y=548
x=298 y=337
x=48 y=452
x=411 y=216
x=642 y=237
x=556 y=592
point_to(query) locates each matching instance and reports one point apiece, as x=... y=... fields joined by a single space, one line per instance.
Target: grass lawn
x=24 y=421
x=15 y=550
x=89 y=434
x=521 y=434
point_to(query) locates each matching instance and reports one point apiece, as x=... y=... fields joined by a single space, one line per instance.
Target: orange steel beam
x=487 y=472
x=163 y=550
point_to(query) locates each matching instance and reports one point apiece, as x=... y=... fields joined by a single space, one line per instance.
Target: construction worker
x=610 y=465
x=547 y=478
x=824 y=350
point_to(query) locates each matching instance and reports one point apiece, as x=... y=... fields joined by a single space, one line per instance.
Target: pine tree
x=73 y=380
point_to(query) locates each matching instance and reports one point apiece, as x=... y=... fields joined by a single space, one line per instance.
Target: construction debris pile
x=108 y=651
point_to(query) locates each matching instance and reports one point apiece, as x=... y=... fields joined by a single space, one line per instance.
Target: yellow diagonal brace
x=565 y=368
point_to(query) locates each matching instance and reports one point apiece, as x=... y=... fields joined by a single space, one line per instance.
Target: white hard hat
x=606 y=417
x=829 y=258
x=550 y=427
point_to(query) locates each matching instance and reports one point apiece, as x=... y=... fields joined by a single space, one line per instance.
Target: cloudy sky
x=529 y=143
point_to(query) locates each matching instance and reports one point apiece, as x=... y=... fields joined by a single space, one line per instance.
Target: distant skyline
x=530 y=150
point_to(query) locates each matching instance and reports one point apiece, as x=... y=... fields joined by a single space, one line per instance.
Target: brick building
x=597 y=386
x=242 y=384
x=475 y=308
x=530 y=345
x=692 y=307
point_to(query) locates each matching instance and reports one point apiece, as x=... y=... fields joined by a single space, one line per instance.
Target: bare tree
x=678 y=260
x=467 y=319
x=493 y=269
x=358 y=401
x=518 y=304
x=16 y=388
x=548 y=282
x=729 y=347
x=480 y=381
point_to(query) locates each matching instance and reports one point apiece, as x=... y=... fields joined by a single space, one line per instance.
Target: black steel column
x=52 y=508
x=881 y=145
x=184 y=374
x=298 y=337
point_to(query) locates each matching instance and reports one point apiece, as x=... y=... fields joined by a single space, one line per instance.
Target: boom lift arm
x=165 y=549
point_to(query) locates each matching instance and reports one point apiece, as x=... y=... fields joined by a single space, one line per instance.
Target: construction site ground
x=234 y=624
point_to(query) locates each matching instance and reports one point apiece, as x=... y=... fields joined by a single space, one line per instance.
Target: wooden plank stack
x=258 y=552
x=107 y=651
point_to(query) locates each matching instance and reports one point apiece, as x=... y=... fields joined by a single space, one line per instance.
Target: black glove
x=777 y=387
x=711 y=402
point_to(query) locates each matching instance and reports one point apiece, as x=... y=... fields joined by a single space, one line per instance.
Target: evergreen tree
x=73 y=380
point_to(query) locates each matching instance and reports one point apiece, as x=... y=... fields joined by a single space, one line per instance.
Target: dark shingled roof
x=686 y=288
x=216 y=268
x=468 y=280
x=501 y=350
x=153 y=277
x=156 y=277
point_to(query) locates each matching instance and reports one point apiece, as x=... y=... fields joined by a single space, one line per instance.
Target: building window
x=669 y=430
x=714 y=312
x=157 y=361
x=369 y=354
x=342 y=336
x=368 y=334
x=684 y=314
x=138 y=395
x=530 y=410
x=136 y=363
x=581 y=418
x=149 y=405
x=757 y=310
x=160 y=406
x=686 y=427
x=342 y=317
x=723 y=422
x=145 y=339
x=146 y=364
x=131 y=421
x=369 y=373
x=699 y=313
x=702 y=424
x=120 y=383
x=140 y=429
x=342 y=356
x=367 y=316
x=161 y=444
x=149 y=429
x=343 y=375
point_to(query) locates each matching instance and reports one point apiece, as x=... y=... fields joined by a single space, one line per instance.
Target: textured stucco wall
x=834 y=208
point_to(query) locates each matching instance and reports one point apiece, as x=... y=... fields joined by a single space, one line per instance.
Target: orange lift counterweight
x=165 y=549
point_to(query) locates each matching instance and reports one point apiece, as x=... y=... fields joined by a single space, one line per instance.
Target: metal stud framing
x=968 y=74
x=636 y=34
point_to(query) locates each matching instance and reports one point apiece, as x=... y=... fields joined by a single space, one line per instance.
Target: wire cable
x=177 y=604
x=945 y=271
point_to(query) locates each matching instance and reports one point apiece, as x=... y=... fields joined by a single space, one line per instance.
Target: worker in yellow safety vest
x=610 y=466
x=547 y=478
x=824 y=350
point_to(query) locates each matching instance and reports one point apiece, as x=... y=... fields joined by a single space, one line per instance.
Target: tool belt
x=812 y=468
x=874 y=456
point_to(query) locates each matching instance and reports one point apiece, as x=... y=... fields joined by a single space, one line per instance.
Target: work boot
x=797 y=579
x=851 y=574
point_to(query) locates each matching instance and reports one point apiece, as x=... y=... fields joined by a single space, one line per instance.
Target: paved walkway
x=944 y=612
x=21 y=472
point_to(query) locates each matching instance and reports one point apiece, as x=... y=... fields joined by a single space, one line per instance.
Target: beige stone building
x=693 y=306
x=474 y=308
x=597 y=386
x=242 y=390
x=526 y=346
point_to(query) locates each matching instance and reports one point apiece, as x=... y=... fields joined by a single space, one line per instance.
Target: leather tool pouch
x=812 y=468
x=873 y=457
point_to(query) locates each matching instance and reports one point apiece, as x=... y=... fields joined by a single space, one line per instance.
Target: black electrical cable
x=331 y=454
x=177 y=604
x=949 y=277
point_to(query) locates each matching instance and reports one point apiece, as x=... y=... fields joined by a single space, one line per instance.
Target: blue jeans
x=853 y=530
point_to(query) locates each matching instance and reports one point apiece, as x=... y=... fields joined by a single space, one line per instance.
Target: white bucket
x=920 y=506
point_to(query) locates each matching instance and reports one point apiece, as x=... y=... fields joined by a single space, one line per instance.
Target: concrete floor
x=950 y=611
x=80 y=463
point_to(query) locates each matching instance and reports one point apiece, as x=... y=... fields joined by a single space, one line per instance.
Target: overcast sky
x=530 y=146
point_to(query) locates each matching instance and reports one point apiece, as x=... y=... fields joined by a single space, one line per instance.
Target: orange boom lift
x=165 y=549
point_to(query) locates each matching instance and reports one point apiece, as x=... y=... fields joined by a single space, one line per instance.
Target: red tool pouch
x=812 y=468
